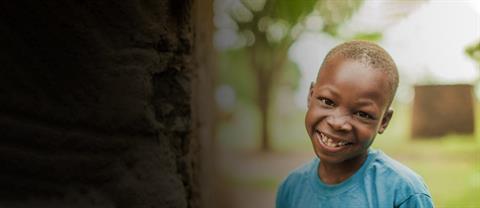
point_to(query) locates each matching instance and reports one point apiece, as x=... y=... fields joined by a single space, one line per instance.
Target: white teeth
x=329 y=142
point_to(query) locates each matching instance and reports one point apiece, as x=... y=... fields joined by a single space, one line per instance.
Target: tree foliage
x=473 y=51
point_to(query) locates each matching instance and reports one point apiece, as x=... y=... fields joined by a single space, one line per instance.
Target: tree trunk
x=267 y=64
x=264 y=95
x=96 y=104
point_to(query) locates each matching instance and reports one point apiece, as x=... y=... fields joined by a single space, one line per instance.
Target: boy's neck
x=334 y=173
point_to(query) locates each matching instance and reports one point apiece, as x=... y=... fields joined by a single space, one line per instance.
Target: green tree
x=474 y=52
x=268 y=28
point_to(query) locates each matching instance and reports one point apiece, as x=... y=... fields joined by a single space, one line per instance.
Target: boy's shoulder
x=297 y=182
x=302 y=172
x=396 y=175
x=301 y=177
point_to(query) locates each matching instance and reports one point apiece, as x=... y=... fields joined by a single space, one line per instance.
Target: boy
x=347 y=106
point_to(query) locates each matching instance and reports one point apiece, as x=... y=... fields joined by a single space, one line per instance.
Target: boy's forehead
x=336 y=66
x=355 y=73
x=340 y=66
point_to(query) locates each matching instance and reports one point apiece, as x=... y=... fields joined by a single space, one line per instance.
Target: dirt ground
x=252 y=178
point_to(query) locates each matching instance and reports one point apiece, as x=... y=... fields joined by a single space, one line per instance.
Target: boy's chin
x=331 y=159
x=340 y=159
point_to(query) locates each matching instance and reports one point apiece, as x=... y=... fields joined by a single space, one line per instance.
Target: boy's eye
x=364 y=115
x=326 y=101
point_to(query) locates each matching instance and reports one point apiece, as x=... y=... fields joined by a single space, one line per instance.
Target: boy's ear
x=310 y=94
x=385 y=120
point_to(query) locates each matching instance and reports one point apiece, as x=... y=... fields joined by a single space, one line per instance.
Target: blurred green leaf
x=375 y=36
x=290 y=76
x=232 y=71
x=473 y=51
x=292 y=11
x=336 y=12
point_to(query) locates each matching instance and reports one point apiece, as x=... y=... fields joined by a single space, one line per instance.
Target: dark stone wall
x=96 y=104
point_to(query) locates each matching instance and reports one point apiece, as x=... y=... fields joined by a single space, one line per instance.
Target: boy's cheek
x=316 y=113
x=309 y=123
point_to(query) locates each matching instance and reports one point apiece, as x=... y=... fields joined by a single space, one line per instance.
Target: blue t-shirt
x=380 y=182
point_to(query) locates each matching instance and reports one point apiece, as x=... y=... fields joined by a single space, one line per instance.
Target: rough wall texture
x=95 y=104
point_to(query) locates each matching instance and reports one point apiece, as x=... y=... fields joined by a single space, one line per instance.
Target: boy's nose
x=339 y=122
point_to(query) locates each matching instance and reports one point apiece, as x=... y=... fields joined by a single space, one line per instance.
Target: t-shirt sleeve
x=281 y=200
x=417 y=201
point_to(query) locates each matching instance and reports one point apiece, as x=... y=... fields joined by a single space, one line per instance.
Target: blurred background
x=270 y=50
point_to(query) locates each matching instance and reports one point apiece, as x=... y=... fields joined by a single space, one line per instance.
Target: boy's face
x=347 y=107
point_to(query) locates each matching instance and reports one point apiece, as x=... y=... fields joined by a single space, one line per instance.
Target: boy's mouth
x=331 y=143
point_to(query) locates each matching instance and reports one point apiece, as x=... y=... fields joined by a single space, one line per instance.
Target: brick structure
x=442 y=109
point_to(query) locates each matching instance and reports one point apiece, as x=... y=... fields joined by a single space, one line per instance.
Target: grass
x=450 y=165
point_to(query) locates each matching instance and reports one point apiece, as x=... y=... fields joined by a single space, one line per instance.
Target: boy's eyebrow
x=374 y=97
x=330 y=89
x=367 y=102
x=364 y=101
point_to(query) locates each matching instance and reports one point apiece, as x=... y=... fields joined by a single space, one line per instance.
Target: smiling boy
x=347 y=106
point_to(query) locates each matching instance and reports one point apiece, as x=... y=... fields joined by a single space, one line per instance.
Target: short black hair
x=370 y=54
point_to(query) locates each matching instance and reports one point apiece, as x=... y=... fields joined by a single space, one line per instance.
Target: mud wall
x=442 y=109
x=96 y=104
